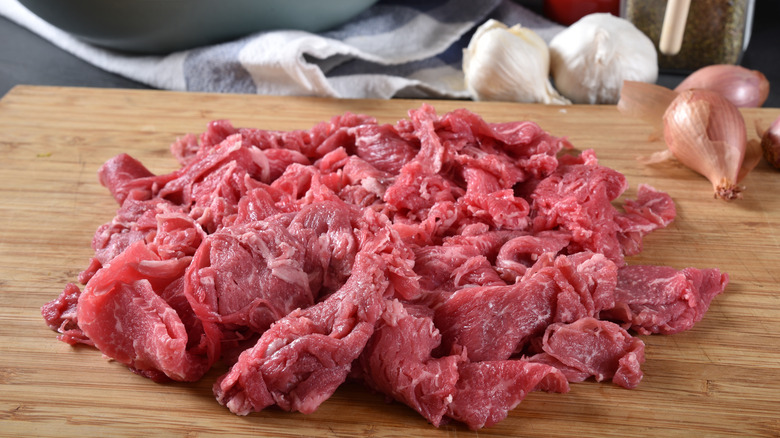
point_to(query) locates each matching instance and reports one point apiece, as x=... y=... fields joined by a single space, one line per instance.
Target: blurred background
x=27 y=58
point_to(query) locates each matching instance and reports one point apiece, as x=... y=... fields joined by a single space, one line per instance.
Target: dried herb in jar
x=714 y=33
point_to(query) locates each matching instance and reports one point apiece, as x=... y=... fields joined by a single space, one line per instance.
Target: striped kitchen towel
x=396 y=48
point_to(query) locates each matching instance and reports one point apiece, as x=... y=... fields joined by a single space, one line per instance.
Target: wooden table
x=720 y=379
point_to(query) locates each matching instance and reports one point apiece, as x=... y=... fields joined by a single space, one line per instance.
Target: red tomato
x=567 y=12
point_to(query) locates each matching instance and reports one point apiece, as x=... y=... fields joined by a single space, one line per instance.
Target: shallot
x=745 y=88
x=770 y=143
x=703 y=130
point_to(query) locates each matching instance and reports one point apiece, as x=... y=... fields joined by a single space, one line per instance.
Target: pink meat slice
x=398 y=361
x=591 y=347
x=520 y=253
x=142 y=220
x=125 y=177
x=61 y=314
x=494 y=322
x=245 y=277
x=487 y=391
x=662 y=299
x=450 y=263
x=326 y=231
x=382 y=147
x=441 y=266
x=577 y=198
x=300 y=361
x=122 y=312
x=650 y=211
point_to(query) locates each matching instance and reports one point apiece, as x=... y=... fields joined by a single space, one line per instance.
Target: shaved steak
x=452 y=264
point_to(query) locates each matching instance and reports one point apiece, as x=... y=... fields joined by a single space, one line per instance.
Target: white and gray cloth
x=396 y=48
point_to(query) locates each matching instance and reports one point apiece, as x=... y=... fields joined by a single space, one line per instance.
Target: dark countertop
x=26 y=58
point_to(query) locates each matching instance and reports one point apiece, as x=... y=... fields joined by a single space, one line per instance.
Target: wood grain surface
x=720 y=379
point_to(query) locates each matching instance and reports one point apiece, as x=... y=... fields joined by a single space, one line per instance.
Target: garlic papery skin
x=707 y=133
x=590 y=59
x=745 y=88
x=509 y=64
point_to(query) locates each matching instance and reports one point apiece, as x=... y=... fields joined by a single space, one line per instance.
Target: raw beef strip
x=258 y=204
x=501 y=209
x=377 y=237
x=577 y=198
x=300 y=361
x=476 y=271
x=366 y=185
x=382 y=147
x=520 y=141
x=489 y=196
x=593 y=277
x=521 y=252
x=327 y=136
x=135 y=220
x=124 y=177
x=216 y=132
x=397 y=361
x=279 y=159
x=176 y=235
x=428 y=228
x=485 y=172
x=61 y=315
x=662 y=299
x=220 y=172
x=437 y=264
x=322 y=138
x=356 y=170
x=301 y=183
x=494 y=322
x=435 y=150
x=245 y=277
x=121 y=310
x=415 y=191
x=326 y=231
x=487 y=391
x=650 y=211
x=185 y=149
x=590 y=347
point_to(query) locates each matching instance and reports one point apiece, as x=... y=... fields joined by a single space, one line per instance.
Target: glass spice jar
x=716 y=31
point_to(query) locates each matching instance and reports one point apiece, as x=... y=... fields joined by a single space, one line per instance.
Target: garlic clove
x=745 y=88
x=707 y=133
x=592 y=58
x=509 y=64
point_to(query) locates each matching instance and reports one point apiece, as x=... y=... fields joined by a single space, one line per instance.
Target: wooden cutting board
x=720 y=379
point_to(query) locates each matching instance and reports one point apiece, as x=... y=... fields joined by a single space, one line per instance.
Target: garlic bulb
x=591 y=58
x=509 y=64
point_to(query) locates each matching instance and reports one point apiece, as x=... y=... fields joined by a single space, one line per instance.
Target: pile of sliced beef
x=452 y=264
